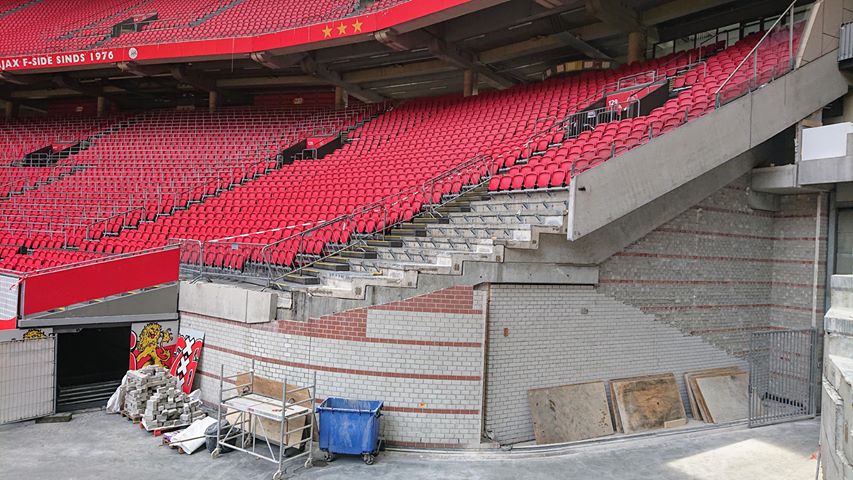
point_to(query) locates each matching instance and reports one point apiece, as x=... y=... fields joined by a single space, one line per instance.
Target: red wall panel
x=65 y=287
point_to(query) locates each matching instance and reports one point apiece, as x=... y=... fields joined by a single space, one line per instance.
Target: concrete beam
x=134 y=68
x=204 y=84
x=20 y=79
x=401 y=42
x=677 y=9
x=616 y=14
x=311 y=67
x=279 y=81
x=426 y=67
x=463 y=60
x=64 y=81
x=277 y=62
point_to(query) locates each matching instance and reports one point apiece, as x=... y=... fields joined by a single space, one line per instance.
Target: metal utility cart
x=251 y=408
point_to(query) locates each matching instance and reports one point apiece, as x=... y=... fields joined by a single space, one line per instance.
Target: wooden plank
x=690 y=386
x=569 y=413
x=648 y=403
x=272 y=388
x=726 y=397
x=614 y=409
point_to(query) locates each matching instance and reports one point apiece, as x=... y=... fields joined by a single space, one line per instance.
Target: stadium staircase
x=539 y=235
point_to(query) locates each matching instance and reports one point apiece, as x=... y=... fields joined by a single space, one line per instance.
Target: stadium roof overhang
x=418 y=48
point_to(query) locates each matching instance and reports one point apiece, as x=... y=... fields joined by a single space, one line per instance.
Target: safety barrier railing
x=585 y=121
x=770 y=58
x=372 y=221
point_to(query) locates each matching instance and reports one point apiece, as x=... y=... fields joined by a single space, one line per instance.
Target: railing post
x=791 y=59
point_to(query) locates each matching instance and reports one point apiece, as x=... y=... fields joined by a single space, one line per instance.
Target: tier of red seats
x=395 y=153
x=89 y=24
x=10 y=259
x=162 y=160
x=387 y=160
x=557 y=157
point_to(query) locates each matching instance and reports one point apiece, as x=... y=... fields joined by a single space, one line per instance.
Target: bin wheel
x=368 y=458
x=215 y=453
x=277 y=475
x=328 y=456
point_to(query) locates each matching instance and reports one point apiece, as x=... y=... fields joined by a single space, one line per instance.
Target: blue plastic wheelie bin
x=350 y=427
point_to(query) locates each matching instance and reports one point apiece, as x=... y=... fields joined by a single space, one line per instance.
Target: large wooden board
x=726 y=397
x=648 y=403
x=569 y=413
x=691 y=387
x=272 y=388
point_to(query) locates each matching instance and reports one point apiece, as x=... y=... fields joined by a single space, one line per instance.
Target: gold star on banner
x=342 y=29
x=327 y=32
x=356 y=27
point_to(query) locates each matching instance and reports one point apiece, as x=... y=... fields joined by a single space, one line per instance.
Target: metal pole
x=791 y=39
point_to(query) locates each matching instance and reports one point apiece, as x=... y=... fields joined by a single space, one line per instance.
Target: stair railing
x=373 y=220
x=749 y=74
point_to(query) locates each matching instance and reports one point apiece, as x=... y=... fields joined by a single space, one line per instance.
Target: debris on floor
x=169 y=407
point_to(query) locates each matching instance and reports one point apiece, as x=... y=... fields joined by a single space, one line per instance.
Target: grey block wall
x=562 y=334
x=722 y=270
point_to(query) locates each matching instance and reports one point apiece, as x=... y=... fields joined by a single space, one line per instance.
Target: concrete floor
x=97 y=445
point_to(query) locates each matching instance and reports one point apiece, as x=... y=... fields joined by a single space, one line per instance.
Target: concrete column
x=11 y=110
x=341 y=98
x=469 y=85
x=636 y=47
x=212 y=101
x=102 y=106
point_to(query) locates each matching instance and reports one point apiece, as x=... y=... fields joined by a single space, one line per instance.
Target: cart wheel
x=277 y=475
x=368 y=458
x=309 y=463
x=328 y=456
x=215 y=453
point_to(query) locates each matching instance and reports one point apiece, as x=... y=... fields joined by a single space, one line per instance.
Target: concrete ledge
x=237 y=303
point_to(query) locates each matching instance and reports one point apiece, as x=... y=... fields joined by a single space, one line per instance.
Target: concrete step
x=301 y=279
x=430 y=220
x=385 y=243
x=506 y=218
x=332 y=266
x=347 y=254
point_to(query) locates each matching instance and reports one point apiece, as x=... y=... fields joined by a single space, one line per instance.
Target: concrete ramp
x=627 y=183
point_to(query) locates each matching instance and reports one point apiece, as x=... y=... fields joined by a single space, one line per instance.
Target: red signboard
x=199 y=49
x=71 y=285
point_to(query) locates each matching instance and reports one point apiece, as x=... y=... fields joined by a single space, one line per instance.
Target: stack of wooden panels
x=718 y=395
x=647 y=403
x=569 y=413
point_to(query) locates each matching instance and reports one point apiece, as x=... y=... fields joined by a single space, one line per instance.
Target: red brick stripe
x=736 y=235
x=714 y=258
x=349 y=371
x=311 y=329
x=704 y=282
x=385 y=407
x=664 y=308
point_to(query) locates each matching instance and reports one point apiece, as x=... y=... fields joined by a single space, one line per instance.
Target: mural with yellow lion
x=152 y=344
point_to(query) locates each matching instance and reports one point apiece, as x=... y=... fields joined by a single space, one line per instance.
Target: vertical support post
x=102 y=106
x=11 y=109
x=341 y=98
x=636 y=47
x=469 y=83
x=212 y=101
x=791 y=39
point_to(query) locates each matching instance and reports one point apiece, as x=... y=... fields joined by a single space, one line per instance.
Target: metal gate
x=782 y=376
x=27 y=377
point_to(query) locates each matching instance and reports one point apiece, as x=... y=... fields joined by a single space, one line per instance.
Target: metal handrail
x=97 y=261
x=427 y=188
x=790 y=12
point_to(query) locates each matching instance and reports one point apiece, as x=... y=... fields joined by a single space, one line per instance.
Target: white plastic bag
x=195 y=432
x=116 y=401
